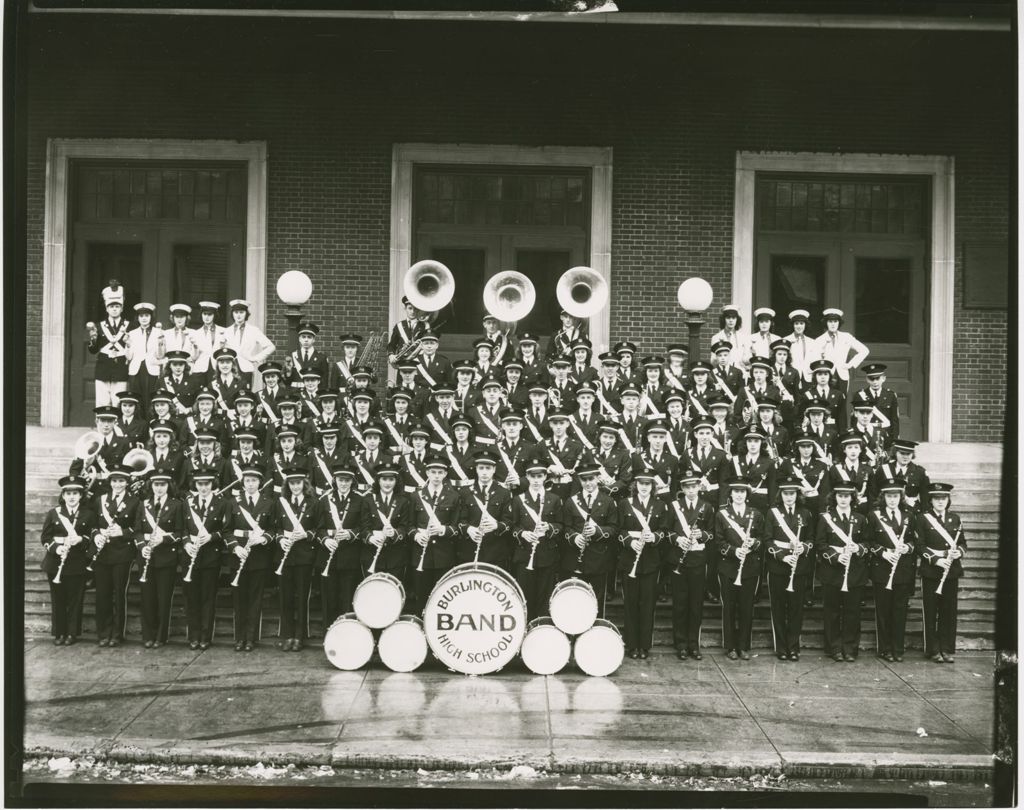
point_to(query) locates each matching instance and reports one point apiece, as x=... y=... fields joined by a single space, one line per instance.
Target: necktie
x=252 y=502
x=703 y=455
x=590 y=501
x=789 y=512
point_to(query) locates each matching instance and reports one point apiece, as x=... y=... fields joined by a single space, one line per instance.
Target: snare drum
x=348 y=642
x=573 y=606
x=546 y=649
x=403 y=645
x=599 y=651
x=378 y=600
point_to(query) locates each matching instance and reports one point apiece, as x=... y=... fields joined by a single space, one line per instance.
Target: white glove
x=637 y=545
x=580 y=541
x=146 y=552
x=741 y=553
x=890 y=557
x=240 y=552
x=790 y=559
x=331 y=543
x=844 y=558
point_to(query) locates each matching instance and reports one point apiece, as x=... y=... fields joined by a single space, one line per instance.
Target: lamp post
x=694 y=297
x=294 y=289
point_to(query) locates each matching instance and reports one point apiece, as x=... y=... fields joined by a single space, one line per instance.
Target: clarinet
x=748 y=541
x=895 y=565
x=796 y=562
x=846 y=568
x=330 y=557
x=945 y=573
x=60 y=568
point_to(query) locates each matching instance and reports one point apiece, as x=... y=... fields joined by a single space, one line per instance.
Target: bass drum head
x=378 y=600
x=546 y=649
x=348 y=643
x=403 y=645
x=599 y=651
x=573 y=606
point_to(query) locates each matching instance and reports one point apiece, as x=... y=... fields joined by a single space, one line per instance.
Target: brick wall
x=676 y=105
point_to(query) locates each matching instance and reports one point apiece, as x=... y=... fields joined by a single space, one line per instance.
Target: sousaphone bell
x=428 y=285
x=582 y=292
x=509 y=296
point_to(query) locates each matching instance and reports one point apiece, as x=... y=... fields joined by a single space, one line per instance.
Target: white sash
x=741 y=533
x=269 y=411
x=426 y=375
x=846 y=538
x=684 y=524
x=888 y=529
x=253 y=524
x=700 y=408
x=625 y=440
x=604 y=402
x=720 y=383
x=290 y=514
x=312 y=406
x=442 y=434
x=456 y=467
x=645 y=524
x=323 y=467
x=403 y=333
x=781 y=520
x=355 y=432
x=490 y=425
x=533 y=430
x=579 y=432
x=940 y=529
x=69 y=527
x=534 y=516
x=673 y=380
x=343 y=368
x=419 y=479
x=366 y=474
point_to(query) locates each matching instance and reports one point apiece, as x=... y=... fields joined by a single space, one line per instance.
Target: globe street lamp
x=694 y=297
x=294 y=289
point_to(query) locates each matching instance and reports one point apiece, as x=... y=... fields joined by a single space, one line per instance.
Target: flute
x=945 y=573
x=748 y=541
x=796 y=562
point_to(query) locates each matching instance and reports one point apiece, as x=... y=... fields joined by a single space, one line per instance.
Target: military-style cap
x=225 y=354
x=891 y=485
x=442 y=388
x=206 y=436
x=764 y=312
x=831 y=313
x=436 y=461
x=321 y=395
x=418 y=430
x=429 y=335
x=676 y=350
x=865 y=407
x=204 y=475
x=71 y=482
x=161 y=428
x=362 y=371
x=120 y=471
x=270 y=367
x=904 y=445
x=842 y=488
x=799 y=315
x=144 y=306
x=361 y=396
x=528 y=337
x=485 y=457
x=764 y=402
x=804 y=438
x=675 y=396
x=760 y=362
x=646 y=474
x=730 y=308
x=629 y=391
x=790 y=482
x=180 y=309
x=513 y=365
x=246 y=435
x=291 y=473
x=822 y=365
x=211 y=306
x=405 y=366
x=536 y=466
x=464 y=367
x=490 y=382
x=582 y=343
x=113 y=293
x=586 y=388
x=287 y=432
x=690 y=476
x=652 y=361
x=740 y=483
x=373 y=429
x=386 y=469
x=252 y=471
x=608 y=359
x=656 y=426
x=308 y=328
x=700 y=367
x=753 y=433
x=483 y=342
x=625 y=347
x=588 y=468
x=874 y=370
x=511 y=415
x=343 y=469
x=718 y=401
x=780 y=345
x=288 y=401
x=461 y=421
x=238 y=303
x=310 y=375
x=702 y=424
x=401 y=393
x=557 y=414
x=205 y=393
x=938 y=488
x=721 y=346
x=607 y=426
x=161 y=475
x=128 y=397
x=561 y=362
x=329 y=432
x=245 y=396
x=177 y=356
x=350 y=339
x=537 y=388
x=816 y=407
x=851 y=437
x=106 y=412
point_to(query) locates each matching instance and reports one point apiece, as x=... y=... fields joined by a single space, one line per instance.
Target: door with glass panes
x=169 y=234
x=858 y=245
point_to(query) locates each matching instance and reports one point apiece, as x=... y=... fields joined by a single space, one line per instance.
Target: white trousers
x=107 y=392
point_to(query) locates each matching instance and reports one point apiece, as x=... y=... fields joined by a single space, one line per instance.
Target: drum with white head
x=599 y=651
x=378 y=600
x=546 y=649
x=348 y=642
x=573 y=606
x=403 y=645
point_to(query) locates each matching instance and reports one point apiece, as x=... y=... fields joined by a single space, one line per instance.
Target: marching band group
x=726 y=478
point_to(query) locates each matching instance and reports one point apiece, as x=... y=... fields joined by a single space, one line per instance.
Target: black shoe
x=938 y=659
x=239 y=646
x=193 y=645
x=782 y=656
x=849 y=659
x=744 y=655
x=731 y=655
x=793 y=656
x=297 y=645
x=947 y=658
x=58 y=641
x=682 y=655
x=837 y=657
x=695 y=655
x=204 y=645
x=114 y=643
x=103 y=642
x=69 y=640
x=897 y=659
x=634 y=653
x=148 y=645
x=248 y=646
x=644 y=654
x=158 y=644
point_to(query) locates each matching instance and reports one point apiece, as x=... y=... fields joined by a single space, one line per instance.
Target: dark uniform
x=339 y=572
x=935 y=537
x=495 y=548
x=738 y=600
x=253 y=528
x=784 y=528
x=688 y=567
x=377 y=510
x=639 y=584
x=536 y=569
x=159 y=570
x=112 y=565
x=439 y=553
x=296 y=565
x=841 y=609
x=597 y=558
x=892 y=601
x=66 y=596
x=885 y=408
x=200 y=589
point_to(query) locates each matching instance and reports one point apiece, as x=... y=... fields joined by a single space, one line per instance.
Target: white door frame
x=940 y=169
x=59 y=153
x=406 y=155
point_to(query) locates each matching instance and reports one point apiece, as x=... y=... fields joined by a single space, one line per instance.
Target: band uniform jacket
x=723 y=437
x=601 y=550
x=679 y=437
x=404 y=332
x=551 y=510
x=561 y=341
x=790 y=380
x=279 y=462
x=860 y=477
x=320 y=474
x=759 y=473
x=608 y=400
x=824 y=441
x=398 y=510
x=535 y=425
x=585 y=424
x=433 y=370
x=517 y=396
x=142 y=352
x=239 y=462
x=111 y=355
x=826 y=541
x=266 y=404
x=663 y=468
x=913 y=475
x=226 y=389
x=656 y=514
x=568 y=455
x=261 y=555
x=881 y=542
x=562 y=396
x=652 y=398
x=308 y=514
x=618 y=464
x=215 y=424
x=460 y=460
x=838 y=351
x=440 y=426
x=447 y=505
x=170 y=517
x=316 y=362
x=341 y=374
x=252 y=346
x=182 y=390
x=932 y=546
x=728 y=541
x=302 y=427
x=351 y=517
x=123 y=513
x=776 y=441
x=676 y=379
x=700 y=516
x=179 y=340
x=111 y=453
x=136 y=431
x=467 y=397
x=250 y=423
x=633 y=426
x=712 y=469
x=412 y=470
x=887 y=405
x=586 y=373
x=801 y=524
x=85 y=524
x=486 y=423
x=730 y=377
x=218 y=465
x=534 y=372
x=831 y=399
x=815 y=476
x=207 y=341
x=400 y=425
x=216 y=519
x=519 y=455
x=876 y=444
x=495 y=547
x=172 y=461
x=420 y=395
x=752 y=392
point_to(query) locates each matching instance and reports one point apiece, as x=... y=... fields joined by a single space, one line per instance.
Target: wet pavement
x=813 y=718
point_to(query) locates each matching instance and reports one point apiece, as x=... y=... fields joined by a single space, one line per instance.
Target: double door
x=157 y=264
x=880 y=284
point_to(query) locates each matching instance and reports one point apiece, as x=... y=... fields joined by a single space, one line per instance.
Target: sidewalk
x=814 y=718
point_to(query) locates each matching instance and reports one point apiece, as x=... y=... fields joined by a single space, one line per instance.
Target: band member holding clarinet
x=110 y=342
x=591 y=521
x=892 y=569
x=536 y=532
x=739 y=533
x=299 y=520
x=115 y=552
x=158 y=530
x=387 y=522
x=642 y=520
x=841 y=543
x=690 y=529
x=790 y=539
x=208 y=518
x=67 y=531
x=435 y=525
x=250 y=545
x=941 y=546
x=485 y=516
x=337 y=560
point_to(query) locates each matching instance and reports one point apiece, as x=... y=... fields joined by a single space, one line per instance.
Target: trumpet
x=748 y=541
x=797 y=553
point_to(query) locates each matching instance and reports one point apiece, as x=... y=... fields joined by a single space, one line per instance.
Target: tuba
x=140 y=460
x=582 y=292
x=88 y=446
x=509 y=296
x=429 y=285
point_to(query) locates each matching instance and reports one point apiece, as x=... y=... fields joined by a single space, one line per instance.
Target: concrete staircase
x=975 y=471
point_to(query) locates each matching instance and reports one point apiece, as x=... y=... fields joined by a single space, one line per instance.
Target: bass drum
x=403 y=645
x=475 y=618
x=599 y=651
x=378 y=600
x=546 y=649
x=573 y=606
x=348 y=643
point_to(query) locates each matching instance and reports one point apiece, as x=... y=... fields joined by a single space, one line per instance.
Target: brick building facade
x=675 y=105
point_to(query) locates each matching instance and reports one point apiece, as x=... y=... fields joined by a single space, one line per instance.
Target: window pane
x=543 y=268
x=467 y=308
x=200 y=272
x=798 y=282
x=882 y=304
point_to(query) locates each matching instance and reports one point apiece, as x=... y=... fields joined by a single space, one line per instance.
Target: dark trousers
x=423 y=583
x=711 y=580
x=787 y=610
x=537 y=586
x=66 y=600
x=687 y=607
x=295 y=583
x=143 y=385
x=111 y=599
x=247 y=602
x=737 y=612
x=639 y=597
x=157 y=591
x=599 y=582
x=939 y=616
x=336 y=590
x=891 y=617
x=201 y=603
x=841 y=616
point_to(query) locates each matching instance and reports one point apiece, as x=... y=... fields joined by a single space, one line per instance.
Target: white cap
x=238 y=303
x=181 y=308
x=209 y=305
x=834 y=311
x=760 y=311
x=114 y=294
x=143 y=306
